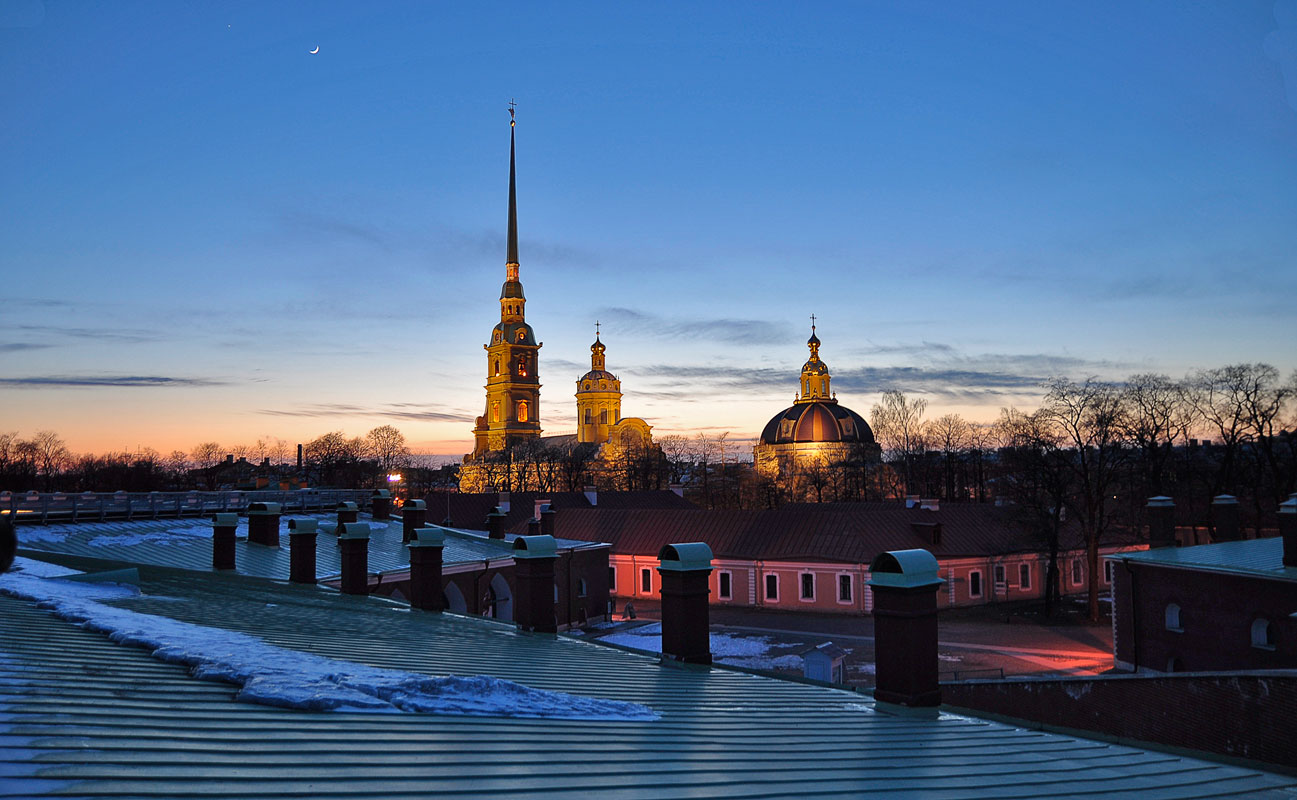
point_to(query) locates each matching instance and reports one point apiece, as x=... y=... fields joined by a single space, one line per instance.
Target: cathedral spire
x=511 y=258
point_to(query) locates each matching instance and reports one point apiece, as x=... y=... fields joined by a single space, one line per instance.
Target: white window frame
x=765 y=589
x=721 y=594
x=1077 y=572
x=851 y=589
x=1001 y=577
x=1172 y=618
x=646 y=572
x=1109 y=570
x=1024 y=571
x=981 y=583
x=801 y=587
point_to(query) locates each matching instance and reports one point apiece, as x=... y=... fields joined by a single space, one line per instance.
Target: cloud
x=739 y=331
x=106 y=381
x=312 y=224
x=400 y=411
x=121 y=335
x=14 y=347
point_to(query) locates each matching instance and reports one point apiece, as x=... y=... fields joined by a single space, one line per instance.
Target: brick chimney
x=347 y=512
x=1161 y=522
x=1224 y=518
x=425 y=569
x=905 y=585
x=301 y=550
x=684 y=571
x=533 y=558
x=223 y=526
x=1288 y=530
x=354 y=541
x=547 y=515
x=495 y=523
x=380 y=504
x=263 y=524
x=414 y=514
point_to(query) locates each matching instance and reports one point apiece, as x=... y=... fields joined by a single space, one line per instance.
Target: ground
x=982 y=642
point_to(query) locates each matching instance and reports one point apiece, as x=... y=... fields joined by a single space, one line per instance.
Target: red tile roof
x=835 y=532
x=469 y=510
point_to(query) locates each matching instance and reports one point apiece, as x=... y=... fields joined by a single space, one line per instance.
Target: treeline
x=45 y=463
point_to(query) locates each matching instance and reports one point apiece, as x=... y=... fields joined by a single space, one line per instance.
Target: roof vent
x=592 y=495
x=930 y=504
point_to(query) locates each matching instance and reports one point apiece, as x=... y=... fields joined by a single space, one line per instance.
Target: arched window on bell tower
x=522 y=411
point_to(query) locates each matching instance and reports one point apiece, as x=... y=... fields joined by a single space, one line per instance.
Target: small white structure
x=824 y=662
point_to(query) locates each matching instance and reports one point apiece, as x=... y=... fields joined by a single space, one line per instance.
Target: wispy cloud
x=400 y=411
x=314 y=225
x=15 y=347
x=106 y=381
x=733 y=330
x=119 y=335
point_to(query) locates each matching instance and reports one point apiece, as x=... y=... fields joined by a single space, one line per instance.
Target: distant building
x=816 y=432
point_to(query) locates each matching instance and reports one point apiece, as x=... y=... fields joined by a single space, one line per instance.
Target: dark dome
x=817 y=422
x=598 y=375
x=815 y=367
x=512 y=289
x=509 y=332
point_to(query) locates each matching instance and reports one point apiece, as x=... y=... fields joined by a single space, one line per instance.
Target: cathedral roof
x=817 y=422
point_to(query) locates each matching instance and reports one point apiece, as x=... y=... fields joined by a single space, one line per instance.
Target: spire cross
x=812 y=323
x=596 y=329
x=512 y=106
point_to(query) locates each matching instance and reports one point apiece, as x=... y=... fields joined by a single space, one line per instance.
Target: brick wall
x=1250 y=716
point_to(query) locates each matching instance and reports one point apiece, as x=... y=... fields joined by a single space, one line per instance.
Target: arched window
x=495 y=411
x=824 y=386
x=522 y=366
x=603 y=417
x=1263 y=634
x=497 y=366
x=522 y=410
x=580 y=587
x=589 y=416
x=1173 y=617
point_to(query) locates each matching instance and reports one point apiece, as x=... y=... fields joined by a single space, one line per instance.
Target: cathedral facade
x=510 y=451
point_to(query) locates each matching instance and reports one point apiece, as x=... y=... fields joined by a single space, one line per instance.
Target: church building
x=508 y=434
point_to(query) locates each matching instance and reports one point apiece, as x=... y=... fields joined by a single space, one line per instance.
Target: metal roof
x=82 y=716
x=187 y=544
x=1258 y=557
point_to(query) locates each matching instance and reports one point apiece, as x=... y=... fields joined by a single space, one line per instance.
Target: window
x=522 y=334
x=975 y=583
x=1173 y=618
x=603 y=417
x=1108 y=568
x=1024 y=576
x=1078 y=573
x=522 y=410
x=580 y=587
x=824 y=386
x=808 y=585
x=844 y=589
x=587 y=384
x=1000 y=580
x=612 y=579
x=495 y=411
x=1263 y=635
x=724 y=586
x=772 y=588
x=497 y=366
x=646 y=580
x=589 y=416
x=522 y=367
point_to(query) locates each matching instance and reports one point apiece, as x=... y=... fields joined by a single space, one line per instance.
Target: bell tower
x=816 y=380
x=598 y=398
x=512 y=356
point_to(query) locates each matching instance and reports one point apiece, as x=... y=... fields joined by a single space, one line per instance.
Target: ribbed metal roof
x=187 y=544
x=1259 y=557
x=85 y=717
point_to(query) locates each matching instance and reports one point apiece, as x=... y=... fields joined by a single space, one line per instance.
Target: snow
x=176 y=535
x=753 y=652
x=286 y=678
x=18 y=757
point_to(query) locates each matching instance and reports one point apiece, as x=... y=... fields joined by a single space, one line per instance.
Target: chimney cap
x=304 y=525
x=355 y=530
x=1161 y=501
x=1224 y=500
x=381 y=493
x=347 y=505
x=904 y=569
x=225 y=520
x=539 y=546
x=1289 y=506
x=429 y=537
x=685 y=557
x=263 y=508
x=416 y=505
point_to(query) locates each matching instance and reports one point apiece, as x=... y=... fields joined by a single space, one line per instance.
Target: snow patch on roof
x=753 y=652
x=278 y=676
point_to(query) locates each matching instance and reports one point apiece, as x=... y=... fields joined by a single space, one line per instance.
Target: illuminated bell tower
x=815 y=374
x=598 y=398
x=512 y=383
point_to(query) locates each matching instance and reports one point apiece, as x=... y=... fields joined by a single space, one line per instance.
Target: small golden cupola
x=815 y=374
x=598 y=397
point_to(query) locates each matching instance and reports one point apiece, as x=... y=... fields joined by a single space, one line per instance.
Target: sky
x=208 y=232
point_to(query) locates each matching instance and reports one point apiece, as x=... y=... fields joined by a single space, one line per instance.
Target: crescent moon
x=316 y=50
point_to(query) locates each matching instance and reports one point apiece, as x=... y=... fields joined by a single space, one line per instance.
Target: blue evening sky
x=207 y=232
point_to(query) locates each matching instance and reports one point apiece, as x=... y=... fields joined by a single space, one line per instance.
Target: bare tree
x=52 y=455
x=386 y=445
x=949 y=433
x=207 y=457
x=1158 y=416
x=1090 y=418
x=898 y=422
